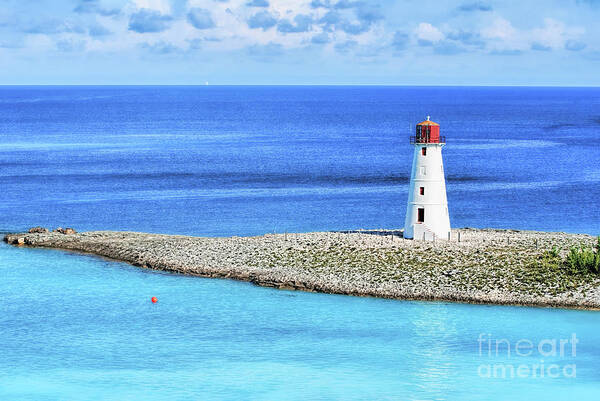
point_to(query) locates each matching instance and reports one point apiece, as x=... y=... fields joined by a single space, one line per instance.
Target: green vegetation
x=584 y=258
x=554 y=252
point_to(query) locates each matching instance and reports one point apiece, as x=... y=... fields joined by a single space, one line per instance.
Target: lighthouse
x=427 y=210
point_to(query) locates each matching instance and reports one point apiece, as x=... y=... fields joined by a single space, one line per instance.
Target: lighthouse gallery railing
x=414 y=139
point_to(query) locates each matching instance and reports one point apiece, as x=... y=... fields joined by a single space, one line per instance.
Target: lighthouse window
x=424 y=151
x=423 y=171
x=420 y=215
x=421 y=190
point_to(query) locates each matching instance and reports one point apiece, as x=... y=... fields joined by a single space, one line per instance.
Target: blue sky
x=411 y=42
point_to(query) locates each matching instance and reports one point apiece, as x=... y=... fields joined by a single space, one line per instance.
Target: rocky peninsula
x=476 y=266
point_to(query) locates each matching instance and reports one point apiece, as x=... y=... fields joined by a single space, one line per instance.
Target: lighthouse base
x=421 y=232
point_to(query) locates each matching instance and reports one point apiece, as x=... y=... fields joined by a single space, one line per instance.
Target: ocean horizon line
x=353 y=85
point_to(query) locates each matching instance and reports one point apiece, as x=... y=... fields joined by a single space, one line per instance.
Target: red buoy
x=154 y=300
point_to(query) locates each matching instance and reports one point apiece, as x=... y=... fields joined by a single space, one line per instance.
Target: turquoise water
x=79 y=327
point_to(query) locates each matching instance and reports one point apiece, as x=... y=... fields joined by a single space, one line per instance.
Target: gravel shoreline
x=486 y=266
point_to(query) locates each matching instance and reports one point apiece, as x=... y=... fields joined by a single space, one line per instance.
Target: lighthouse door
x=420 y=215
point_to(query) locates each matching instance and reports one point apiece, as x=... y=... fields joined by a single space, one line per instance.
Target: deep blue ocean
x=250 y=160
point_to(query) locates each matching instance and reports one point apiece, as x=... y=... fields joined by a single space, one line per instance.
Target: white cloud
x=499 y=29
x=163 y=6
x=503 y=36
x=554 y=34
x=427 y=32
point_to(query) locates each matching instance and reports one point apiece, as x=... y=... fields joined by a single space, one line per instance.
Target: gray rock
x=38 y=230
x=66 y=231
x=482 y=268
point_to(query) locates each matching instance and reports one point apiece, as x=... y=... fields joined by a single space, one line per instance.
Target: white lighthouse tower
x=427 y=210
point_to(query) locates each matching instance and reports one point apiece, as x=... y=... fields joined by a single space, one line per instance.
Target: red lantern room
x=427 y=132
